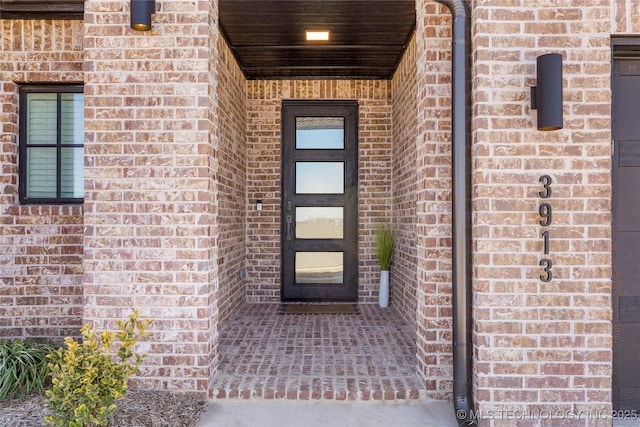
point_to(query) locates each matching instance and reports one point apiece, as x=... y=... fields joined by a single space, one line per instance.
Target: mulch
x=139 y=408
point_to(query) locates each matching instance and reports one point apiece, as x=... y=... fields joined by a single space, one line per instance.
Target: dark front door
x=626 y=234
x=319 y=201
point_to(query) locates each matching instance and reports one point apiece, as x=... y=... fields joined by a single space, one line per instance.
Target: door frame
x=321 y=292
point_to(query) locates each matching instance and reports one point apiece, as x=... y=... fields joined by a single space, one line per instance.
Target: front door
x=626 y=234
x=319 y=201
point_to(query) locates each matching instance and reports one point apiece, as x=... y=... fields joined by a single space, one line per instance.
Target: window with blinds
x=51 y=144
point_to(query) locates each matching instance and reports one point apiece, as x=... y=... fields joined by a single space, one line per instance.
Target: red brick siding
x=232 y=149
x=40 y=246
x=404 y=178
x=541 y=346
x=151 y=176
x=263 y=175
x=526 y=332
x=433 y=183
x=625 y=16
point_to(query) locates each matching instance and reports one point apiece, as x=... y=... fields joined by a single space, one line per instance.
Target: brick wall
x=263 y=175
x=232 y=149
x=433 y=210
x=151 y=177
x=40 y=245
x=538 y=346
x=404 y=178
x=541 y=346
x=625 y=17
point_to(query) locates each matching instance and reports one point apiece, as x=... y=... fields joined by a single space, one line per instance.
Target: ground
x=137 y=409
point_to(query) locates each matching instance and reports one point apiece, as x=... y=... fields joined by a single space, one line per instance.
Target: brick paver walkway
x=268 y=355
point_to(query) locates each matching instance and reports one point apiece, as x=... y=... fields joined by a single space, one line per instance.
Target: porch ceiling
x=367 y=37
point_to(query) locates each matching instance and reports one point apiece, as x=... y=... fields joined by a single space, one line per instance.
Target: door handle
x=288 y=232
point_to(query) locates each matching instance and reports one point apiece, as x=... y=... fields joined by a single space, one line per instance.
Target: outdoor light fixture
x=547 y=96
x=141 y=11
x=319 y=36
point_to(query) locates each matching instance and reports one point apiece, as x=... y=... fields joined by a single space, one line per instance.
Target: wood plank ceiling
x=367 y=37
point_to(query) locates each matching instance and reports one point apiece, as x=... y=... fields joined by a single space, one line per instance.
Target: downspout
x=461 y=289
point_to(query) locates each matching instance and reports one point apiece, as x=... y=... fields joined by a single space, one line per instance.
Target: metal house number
x=546 y=217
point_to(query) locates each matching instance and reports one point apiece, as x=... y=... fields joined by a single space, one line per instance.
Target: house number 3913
x=546 y=217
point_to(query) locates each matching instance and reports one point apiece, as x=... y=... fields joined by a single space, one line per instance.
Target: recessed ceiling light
x=317 y=36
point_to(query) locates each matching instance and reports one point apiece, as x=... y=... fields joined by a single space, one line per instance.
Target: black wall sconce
x=141 y=11
x=547 y=96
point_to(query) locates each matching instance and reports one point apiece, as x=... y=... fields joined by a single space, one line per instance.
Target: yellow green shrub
x=88 y=378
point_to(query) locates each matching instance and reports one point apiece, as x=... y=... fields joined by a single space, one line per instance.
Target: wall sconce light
x=141 y=11
x=547 y=96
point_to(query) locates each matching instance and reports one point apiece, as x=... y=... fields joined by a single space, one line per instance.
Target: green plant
x=88 y=378
x=385 y=238
x=23 y=367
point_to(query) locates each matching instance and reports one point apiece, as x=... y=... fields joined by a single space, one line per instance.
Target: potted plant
x=385 y=238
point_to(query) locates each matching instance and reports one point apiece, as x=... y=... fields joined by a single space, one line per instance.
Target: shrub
x=88 y=378
x=385 y=238
x=23 y=367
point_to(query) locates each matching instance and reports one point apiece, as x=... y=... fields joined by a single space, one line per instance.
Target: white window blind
x=72 y=179
x=72 y=132
x=54 y=151
x=41 y=172
x=72 y=118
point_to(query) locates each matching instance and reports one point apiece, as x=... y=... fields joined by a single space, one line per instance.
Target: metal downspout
x=462 y=350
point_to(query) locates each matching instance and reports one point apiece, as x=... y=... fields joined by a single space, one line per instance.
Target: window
x=51 y=144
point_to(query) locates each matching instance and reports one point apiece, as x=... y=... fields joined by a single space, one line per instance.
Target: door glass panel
x=325 y=133
x=319 y=222
x=319 y=177
x=319 y=267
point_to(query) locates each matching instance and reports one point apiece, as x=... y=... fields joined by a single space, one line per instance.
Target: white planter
x=383 y=291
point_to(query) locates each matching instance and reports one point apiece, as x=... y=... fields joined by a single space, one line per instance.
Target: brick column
x=433 y=231
x=539 y=347
x=151 y=183
x=542 y=347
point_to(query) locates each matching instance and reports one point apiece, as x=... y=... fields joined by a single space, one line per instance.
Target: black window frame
x=24 y=145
